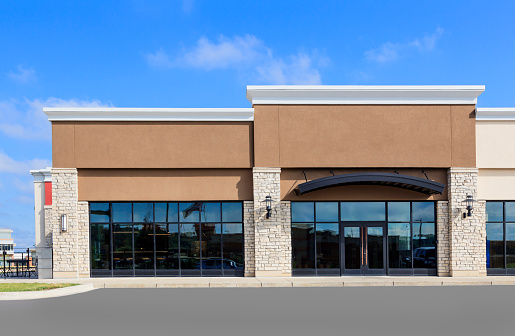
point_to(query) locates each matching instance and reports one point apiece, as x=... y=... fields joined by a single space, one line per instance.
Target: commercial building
x=312 y=180
x=6 y=245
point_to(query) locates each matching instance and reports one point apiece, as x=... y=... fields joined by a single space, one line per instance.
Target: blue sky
x=193 y=53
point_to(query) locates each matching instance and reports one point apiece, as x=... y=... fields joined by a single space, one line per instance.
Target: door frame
x=364 y=270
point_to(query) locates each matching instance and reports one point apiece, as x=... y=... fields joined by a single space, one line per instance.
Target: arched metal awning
x=384 y=179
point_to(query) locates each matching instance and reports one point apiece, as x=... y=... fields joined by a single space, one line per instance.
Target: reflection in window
x=303 y=212
x=122 y=212
x=100 y=213
x=424 y=245
x=510 y=245
x=232 y=212
x=143 y=212
x=500 y=236
x=423 y=211
x=494 y=212
x=303 y=245
x=327 y=245
x=189 y=212
x=362 y=211
x=167 y=246
x=122 y=246
x=100 y=250
x=144 y=246
x=398 y=211
x=494 y=245
x=210 y=212
x=190 y=245
x=233 y=246
x=399 y=245
x=326 y=211
x=164 y=238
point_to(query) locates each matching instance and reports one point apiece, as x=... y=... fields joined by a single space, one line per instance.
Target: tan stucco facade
x=118 y=158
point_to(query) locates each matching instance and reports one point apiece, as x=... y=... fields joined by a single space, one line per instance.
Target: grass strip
x=28 y=287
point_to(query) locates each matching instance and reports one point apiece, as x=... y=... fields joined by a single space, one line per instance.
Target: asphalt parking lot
x=464 y=310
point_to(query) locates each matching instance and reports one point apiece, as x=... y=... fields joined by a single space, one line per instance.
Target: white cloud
x=26 y=120
x=23 y=75
x=390 y=52
x=25 y=186
x=12 y=166
x=246 y=54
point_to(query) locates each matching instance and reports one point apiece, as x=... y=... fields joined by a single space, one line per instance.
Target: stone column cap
x=463 y=170
x=266 y=170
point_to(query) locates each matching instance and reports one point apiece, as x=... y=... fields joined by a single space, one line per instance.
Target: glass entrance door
x=364 y=248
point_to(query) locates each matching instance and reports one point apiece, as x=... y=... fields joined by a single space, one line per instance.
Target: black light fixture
x=268 y=205
x=470 y=202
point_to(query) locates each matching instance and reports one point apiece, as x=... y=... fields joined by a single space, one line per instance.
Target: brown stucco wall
x=152 y=144
x=164 y=184
x=290 y=178
x=438 y=136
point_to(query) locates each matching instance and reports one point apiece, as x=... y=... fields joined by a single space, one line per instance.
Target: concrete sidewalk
x=207 y=282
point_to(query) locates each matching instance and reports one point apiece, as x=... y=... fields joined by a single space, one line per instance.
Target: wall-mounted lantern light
x=268 y=205
x=64 y=223
x=470 y=202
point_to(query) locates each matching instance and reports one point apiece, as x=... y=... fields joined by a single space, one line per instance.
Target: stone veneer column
x=270 y=239
x=467 y=235
x=444 y=247
x=70 y=249
x=249 y=236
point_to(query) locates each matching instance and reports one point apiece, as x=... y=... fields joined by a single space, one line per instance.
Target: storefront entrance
x=364 y=248
x=363 y=238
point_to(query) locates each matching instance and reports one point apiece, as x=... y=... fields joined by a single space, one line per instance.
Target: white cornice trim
x=147 y=114
x=42 y=175
x=495 y=114
x=364 y=94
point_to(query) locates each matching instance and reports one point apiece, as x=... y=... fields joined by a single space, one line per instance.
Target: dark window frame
x=389 y=271
x=505 y=270
x=201 y=272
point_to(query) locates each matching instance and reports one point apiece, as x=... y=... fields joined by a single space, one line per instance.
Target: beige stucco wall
x=495 y=147
x=495 y=144
x=496 y=184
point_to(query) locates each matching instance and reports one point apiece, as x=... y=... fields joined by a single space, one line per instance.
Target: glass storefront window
x=495 y=245
x=398 y=211
x=302 y=212
x=399 y=245
x=423 y=212
x=190 y=212
x=510 y=245
x=326 y=211
x=167 y=246
x=167 y=239
x=327 y=245
x=500 y=237
x=424 y=245
x=494 y=211
x=362 y=211
x=143 y=212
x=100 y=250
x=122 y=212
x=232 y=212
x=303 y=245
x=100 y=213
x=410 y=244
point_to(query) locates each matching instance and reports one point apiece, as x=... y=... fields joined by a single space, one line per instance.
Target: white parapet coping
x=365 y=94
x=495 y=114
x=147 y=114
x=42 y=175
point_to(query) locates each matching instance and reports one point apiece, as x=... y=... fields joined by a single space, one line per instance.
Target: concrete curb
x=47 y=293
